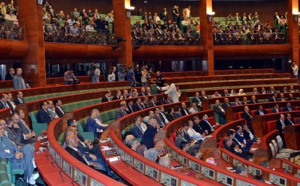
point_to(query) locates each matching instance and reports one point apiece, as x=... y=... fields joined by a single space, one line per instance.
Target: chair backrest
x=275 y=146
x=33 y=116
x=279 y=141
x=272 y=149
x=271 y=125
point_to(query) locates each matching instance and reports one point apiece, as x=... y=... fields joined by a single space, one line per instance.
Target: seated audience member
x=194 y=109
x=121 y=111
x=149 y=134
x=10 y=101
x=253 y=99
x=289 y=120
x=288 y=107
x=263 y=90
x=206 y=125
x=137 y=130
x=197 y=127
x=226 y=104
x=118 y=95
x=203 y=96
x=273 y=98
x=143 y=92
x=125 y=94
x=241 y=92
x=4 y=104
x=226 y=93
x=145 y=102
x=129 y=109
x=255 y=91
x=291 y=97
x=19 y=99
x=164 y=117
x=275 y=109
x=185 y=146
x=51 y=110
x=284 y=90
x=10 y=74
x=159 y=118
x=248 y=133
x=240 y=139
x=132 y=144
x=292 y=90
x=197 y=100
x=151 y=154
x=106 y=97
x=28 y=136
x=94 y=125
x=236 y=102
x=72 y=148
x=196 y=152
x=151 y=114
x=241 y=169
x=43 y=115
x=231 y=147
x=281 y=97
x=171 y=115
x=58 y=108
x=168 y=100
x=184 y=111
x=260 y=111
x=220 y=111
x=216 y=95
x=245 y=101
x=12 y=131
x=20 y=158
x=232 y=93
x=247 y=115
x=272 y=90
x=138 y=105
x=153 y=102
x=141 y=149
x=148 y=90
x=191 y=131
x=280 y=125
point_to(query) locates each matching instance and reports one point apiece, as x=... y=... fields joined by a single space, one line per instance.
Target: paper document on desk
x=106 y=148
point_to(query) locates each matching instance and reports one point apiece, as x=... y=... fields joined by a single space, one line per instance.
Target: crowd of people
x=9 y=23
x=80 y=26
x=250 y=29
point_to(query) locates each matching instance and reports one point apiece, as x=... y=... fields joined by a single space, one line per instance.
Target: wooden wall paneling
x=293 y=29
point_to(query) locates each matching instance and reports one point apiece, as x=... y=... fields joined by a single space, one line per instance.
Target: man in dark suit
x=247 y=115
x=130 y=107
x=184 y=111
x=260 y=111
x=284 y=90
x=106 y=96
x=10 y=74
x=206 y=125
x=121 y=111
x=248 y=134
x=28 y=135
x=164 y=15
x=288 y=107
x=138 y=105
x=197 y=127
x=94 y=125
x=137 y=130
x=143 y=92
x=159 y=118
x=197 y=100
x=273 y=98
x=221 y=112
x=159 y=79
x=43 y=116
x=58 y=108
x=226 y=104
x=253 y=100
x=149 y=134
x=19 y=99
x=3 y=102
x=280 y=125
x=289 y=120
x=153 y=102
x=275 y=109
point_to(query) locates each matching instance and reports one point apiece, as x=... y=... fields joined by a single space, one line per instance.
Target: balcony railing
x=12 y=30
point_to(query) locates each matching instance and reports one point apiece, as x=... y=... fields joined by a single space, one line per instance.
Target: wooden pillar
x=33 y=65
x=293 y=38
x=206 y=34
x=122 y=28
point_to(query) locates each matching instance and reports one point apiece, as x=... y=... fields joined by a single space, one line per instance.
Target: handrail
x=76 y=170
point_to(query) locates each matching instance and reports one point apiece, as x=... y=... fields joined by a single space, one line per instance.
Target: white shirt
x=193 y=111
x=193 y=134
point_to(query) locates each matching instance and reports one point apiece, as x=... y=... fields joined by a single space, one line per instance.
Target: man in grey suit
x=18 y=81
x=19 y=158
x=30 y=136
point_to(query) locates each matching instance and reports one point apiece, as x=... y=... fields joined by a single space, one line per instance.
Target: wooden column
x=206 y=34
x=33 y=65
x=122 y=28
x=293 y=38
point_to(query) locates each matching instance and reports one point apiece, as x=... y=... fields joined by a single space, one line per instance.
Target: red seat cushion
x=271 y=125
x=240 y=115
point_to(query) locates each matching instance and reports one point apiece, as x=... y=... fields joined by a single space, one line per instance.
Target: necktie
x=61 y=110
x=21 y=100
x=24 y=124
x=209 y=124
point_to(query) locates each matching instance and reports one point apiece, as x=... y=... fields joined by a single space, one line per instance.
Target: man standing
x=172 y=91
x=18 y=81
x=10 y=75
